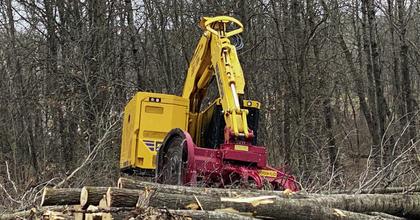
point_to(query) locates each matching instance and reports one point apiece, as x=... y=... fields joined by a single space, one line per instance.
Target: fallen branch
x=91 y=156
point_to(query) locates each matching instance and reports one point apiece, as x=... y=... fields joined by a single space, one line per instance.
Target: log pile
x=146 y=200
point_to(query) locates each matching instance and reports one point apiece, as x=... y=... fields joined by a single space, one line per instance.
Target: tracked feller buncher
x=168 y=137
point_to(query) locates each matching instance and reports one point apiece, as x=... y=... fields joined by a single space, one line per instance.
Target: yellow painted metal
x=206 y=24
x=239 y=147
x=148 y=117
x=268 y=173
x=251 y=104
x=215 y=55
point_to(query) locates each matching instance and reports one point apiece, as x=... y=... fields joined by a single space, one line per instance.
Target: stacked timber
x=145 y=200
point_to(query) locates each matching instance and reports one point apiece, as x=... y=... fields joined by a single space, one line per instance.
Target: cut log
x=54 y=215
x=94 y=216
x=116 y=197
x=276 y=207
x=109 y=213
x=327 y=207
x=91 y=195
x=77 y=212
x=63 y=196
x=389 y=190
x=261 y=207
x=116 y=215
x=386 y=216
x=394 y=204
x=36 y=213
x=78 y=215
x=69 y=212
x=93 y=212
x=103 y=203
x=217 y=215
x=393 y=190
x=27 y=214
x=187 y=190
x=209 y=215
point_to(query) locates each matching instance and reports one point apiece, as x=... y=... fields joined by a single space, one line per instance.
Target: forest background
x=338 y=82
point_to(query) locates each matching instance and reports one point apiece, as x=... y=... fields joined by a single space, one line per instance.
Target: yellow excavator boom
x=216 y=56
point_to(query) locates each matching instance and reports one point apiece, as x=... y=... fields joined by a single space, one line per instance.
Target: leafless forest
x=339 y=82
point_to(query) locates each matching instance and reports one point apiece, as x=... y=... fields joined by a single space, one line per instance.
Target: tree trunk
x=314 y=207
x=388 y=190
x=116 y=197
x=398 y=100
x=208 y=215
x=64 y=196
x=163 y=188
x=288 y=206
x=409 y=116
x=327 y=103
x=381 y=215
x=282 y=53
x=134 y=48
x=371 y=95
x=327 y=207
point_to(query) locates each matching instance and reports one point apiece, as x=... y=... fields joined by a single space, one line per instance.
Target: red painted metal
x=227 y=165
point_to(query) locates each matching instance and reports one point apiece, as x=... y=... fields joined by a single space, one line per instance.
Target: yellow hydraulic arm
x=215 y=55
